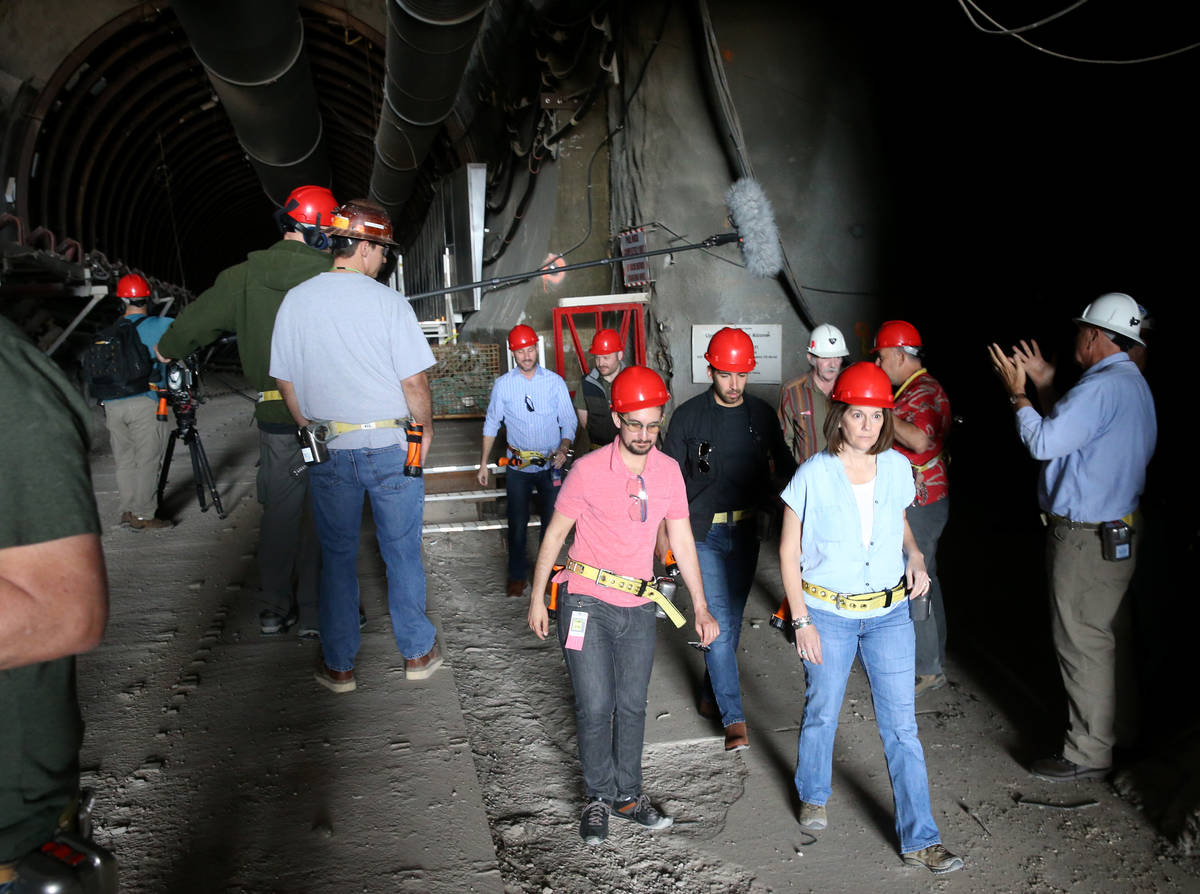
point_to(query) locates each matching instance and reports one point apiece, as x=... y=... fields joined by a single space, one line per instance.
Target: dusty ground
x=220 y=765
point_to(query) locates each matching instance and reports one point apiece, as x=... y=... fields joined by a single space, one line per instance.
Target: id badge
x=576 y=631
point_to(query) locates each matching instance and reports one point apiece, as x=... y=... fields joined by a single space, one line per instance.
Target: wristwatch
x=799 y=623
x=1013 y=398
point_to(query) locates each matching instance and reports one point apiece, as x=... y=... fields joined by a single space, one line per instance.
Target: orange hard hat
x=863 y=384
x=638 y=387
x=730 y=350
x=521 y=336
x=607 y=341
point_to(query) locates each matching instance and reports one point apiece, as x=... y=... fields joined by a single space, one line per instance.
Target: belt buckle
x=840 y=600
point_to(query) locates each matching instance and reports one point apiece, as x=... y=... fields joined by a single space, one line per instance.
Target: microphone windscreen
x=751 y=212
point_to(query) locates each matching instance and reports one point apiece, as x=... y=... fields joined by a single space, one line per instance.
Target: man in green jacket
x=244 y=300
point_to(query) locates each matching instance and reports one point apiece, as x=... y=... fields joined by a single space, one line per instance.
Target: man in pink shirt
x=617 y=495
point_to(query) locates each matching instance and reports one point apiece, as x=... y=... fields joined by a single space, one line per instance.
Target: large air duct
x=255 y=59
x=428 y=46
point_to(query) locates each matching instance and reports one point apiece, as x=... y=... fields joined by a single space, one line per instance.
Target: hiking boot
x=269 y=623
x=639 y=810
x=420 y=668
x=737 y=736
x=935 y=858
x=127 y=518
x=334 y=681
x=593 y=825
x=147 y=524
x=812 y=817
x=308 y=631
x=1059 y=769
x=928 y=683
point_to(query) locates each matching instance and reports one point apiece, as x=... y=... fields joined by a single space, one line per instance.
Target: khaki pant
x=138 y=441
x=1092 y=636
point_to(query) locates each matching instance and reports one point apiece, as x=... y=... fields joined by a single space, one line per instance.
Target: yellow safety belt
x=525 y=457
x=634 y=585
x=269 y=395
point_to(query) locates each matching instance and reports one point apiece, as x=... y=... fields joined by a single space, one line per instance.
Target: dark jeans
x=519 y=487
x=610 y=674
x=927 y=523
x=728 y=556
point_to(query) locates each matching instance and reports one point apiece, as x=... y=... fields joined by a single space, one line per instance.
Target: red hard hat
x=361 y=219
x=731 y=350
x=132 y=286
x=897 y=334
x=863 y=384
x=314 y=205
x=607 y=341
x=521 y=337
x=636 y=388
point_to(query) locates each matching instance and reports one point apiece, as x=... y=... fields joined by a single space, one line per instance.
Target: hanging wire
x=1069 y=58
x=166 y=181
x=1023 y=28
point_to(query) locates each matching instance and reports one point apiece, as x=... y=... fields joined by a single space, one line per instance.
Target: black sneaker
x=593 y=825
x=270 y=624
x=642 y=812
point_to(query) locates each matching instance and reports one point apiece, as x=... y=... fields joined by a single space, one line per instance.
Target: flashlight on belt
x=552 y=609
x=671 y=564
x=412 y=464
x=161 y=413
x=782 y=615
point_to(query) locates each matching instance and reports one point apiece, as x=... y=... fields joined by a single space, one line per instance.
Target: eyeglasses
x=529 y=403
x=703 y=449
x=638 y=427
x=635 y=489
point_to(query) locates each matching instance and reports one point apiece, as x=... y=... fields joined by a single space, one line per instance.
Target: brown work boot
x=334 y=681
x=420 y=668
x=516 y=588
x=813 y=817
x=127 y=518
x=148 y=524
x=737 y=736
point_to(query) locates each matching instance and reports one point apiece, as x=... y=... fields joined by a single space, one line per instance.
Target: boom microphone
x=751 y=212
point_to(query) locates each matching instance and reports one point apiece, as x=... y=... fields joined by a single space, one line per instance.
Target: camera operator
x=244 y=299
x=53 y=605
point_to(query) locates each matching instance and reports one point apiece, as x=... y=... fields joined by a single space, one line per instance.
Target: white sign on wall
x=768 y=350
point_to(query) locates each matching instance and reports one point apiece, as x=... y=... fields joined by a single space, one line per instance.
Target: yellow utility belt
x=325 y=430
x=522 y=458
x=926 y=465
x=269 y=395
x=1049 y=518
x=856 y=602
x=737 y=515
x=634 y=585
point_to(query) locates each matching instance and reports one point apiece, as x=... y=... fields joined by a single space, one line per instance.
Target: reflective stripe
x=269 y=395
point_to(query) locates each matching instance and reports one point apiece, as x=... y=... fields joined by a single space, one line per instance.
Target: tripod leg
x=166 y=465
x=207 y=471
x=191 y=439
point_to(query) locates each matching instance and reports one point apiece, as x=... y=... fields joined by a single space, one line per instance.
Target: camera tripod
x=185 y=428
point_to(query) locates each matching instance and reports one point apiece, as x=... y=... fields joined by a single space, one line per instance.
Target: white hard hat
x=1116 y=312
x=827 y=341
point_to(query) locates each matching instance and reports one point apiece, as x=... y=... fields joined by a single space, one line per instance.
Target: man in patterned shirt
x=922 y=417
x=803 y=402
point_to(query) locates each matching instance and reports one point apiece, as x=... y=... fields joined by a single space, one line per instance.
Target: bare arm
x=482 y=475
x=915 y=574
x=420 y=406
x=581 y=415
x=293 y=403
x=808 y=641
x=911 y=437
x=53 y=599
x=553 y=538
x=679 y=532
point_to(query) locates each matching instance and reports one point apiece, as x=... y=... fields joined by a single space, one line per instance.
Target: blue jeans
x=927 y=523
x=519 y=486
x=885 y=645
x=610 y=674
x=397 y=503
x=728 y=556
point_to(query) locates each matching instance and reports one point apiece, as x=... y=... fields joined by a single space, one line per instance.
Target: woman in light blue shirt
x=848 y=557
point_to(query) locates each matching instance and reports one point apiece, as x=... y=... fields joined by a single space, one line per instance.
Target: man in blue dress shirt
x=1095 y=444
x=539 y=423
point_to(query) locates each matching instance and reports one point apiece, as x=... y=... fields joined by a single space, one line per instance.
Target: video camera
x=179 y=386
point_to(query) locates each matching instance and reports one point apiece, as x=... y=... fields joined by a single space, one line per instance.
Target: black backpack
x=117 y=364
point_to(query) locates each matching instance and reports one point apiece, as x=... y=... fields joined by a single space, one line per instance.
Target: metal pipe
x=255 y=59
x=428 y=45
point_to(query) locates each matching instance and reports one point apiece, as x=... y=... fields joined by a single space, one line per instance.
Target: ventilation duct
x=428 y=46
x=255 y=59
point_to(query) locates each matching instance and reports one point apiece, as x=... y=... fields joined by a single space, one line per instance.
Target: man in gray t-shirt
x=348 y=349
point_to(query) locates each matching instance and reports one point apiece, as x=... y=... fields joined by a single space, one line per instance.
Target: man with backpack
x=138 y=437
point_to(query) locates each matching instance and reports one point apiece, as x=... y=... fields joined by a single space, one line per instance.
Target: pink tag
x=576 y=631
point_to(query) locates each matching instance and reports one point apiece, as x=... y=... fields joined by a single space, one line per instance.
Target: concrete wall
x=806 y=119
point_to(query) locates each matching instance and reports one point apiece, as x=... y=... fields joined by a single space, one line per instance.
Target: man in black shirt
x=734 y=460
